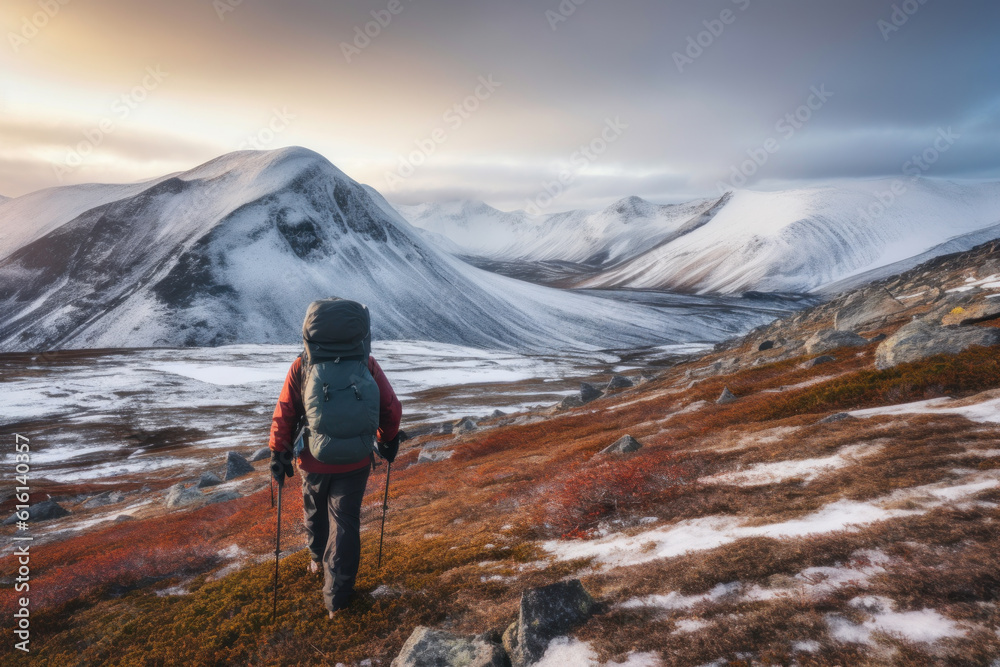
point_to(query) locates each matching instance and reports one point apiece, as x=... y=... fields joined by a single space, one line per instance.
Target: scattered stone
x=237 y=466
x=832 y=419
x=973 y=313
x=818 y=361
x=546 y=613
x=434 y=456
x=465 y=425
x=620 y=382
x=496 y=414
x=623 y=445
x=43 y=511
x=765 y=346
x=121 y=518
x=573 y=401
x=208 y=479
x=831 y=339
x=260 y=454
x=589 y=392
x=436 y=648
x=919 y=340
x=866 y=307
x=223 y=496
x=102 y=499
x=878 y=338
x=446 y=428
x=726 y=397
x=179 y=496
x=385 y=592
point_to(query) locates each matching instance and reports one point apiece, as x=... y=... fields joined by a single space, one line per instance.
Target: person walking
x=335 y=408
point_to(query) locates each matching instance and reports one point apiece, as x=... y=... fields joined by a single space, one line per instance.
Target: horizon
x=513 y=106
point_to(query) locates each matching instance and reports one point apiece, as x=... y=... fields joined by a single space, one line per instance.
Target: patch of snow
x=806 y=469
x=685 y=625
x=925 y=625
x=806 y=646
x=564 y=651
x=987 y=411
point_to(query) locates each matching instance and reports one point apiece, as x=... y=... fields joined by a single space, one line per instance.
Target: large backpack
x=339 y=394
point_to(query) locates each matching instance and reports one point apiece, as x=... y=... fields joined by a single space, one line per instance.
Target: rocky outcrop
x=921 y=339
x=545 y=613
x=43 y=511
x=260 y=455
x=832 y=339
x=435 y=648
x=866 y=308
x=623 y=445
x=465 y=425
x=430 y=456
x=208 y=479
x=726 y=397
x=237 y=466
x=180 y=496
x=103 y=499
x=972 y=313
x=818 y=361
x=589 y=392
x=619 y=382
x=570 y=402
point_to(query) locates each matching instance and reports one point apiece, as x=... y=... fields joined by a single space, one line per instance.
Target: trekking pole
x=277 y=553
x=385 y=506
x=272 y=493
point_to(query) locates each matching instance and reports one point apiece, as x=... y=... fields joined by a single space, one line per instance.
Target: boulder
x=237 y=466
x=866 y=307
x=223 y=496
x=765 y=346
x=619 y=382
x=496 y=414
x=465 y=425
x=573 y=401
x=446 y=428
x=43 y=511
x=545 y=613
x=589 y=392
x=921 y=339
x=878 y=338
x=102 y=499
x=208 y=479
x=260 y=454
x=623 y=445
x=179 y=496
x=831 y=339
x=973 y=313
x=436 y=648
x=726 y=397
x=433 y=456
x=838 y=417
x=818 y=361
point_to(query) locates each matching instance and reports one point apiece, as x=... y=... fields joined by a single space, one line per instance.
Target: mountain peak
x=284 y=162
x=632 y=207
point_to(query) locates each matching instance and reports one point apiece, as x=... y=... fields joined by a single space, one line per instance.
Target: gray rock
x=920 y=339
x=765 y=346
x=121 y=518
x=180 y=496
x=465 y=425
x=878 y=338
x=726 y=397
x=818 y=361
x=208 y=479
x=223 y=496
x=589 y=392
x=43 y=511
x=546 y=613
x=619 y=382
x=261 y=454
x=237 y=466
x=433 y=456
x=973 y=313
x=831 y=339
x=832 y=419
x=103 y=499
x=569 y=402
x=866 y=307
x=496 y=414
x=446 y=428
x=623 y=445
x=436 y=648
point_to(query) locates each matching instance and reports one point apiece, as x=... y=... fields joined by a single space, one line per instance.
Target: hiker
x=338 y=398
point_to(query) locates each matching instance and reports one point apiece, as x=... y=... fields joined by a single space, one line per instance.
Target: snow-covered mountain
x=791 y=241
x=234 y=250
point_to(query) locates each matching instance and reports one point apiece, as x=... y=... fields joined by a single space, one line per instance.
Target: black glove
x=389 y=450
x=281 y=466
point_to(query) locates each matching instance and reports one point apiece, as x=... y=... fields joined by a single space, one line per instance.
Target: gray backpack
x=339 y=394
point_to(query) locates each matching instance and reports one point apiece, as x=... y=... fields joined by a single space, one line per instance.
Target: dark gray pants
x=335 y=500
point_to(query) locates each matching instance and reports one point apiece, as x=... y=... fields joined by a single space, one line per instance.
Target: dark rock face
x=765 y=346
x=237 y=466
x=496 y=414
x=818 y=361
x=832 y=419
x=620 y=382
x=261 y=454
x=624 y=445
x=208 y=479
x=919 y=340
x=546 y=613
x=43 y=511
x=569 y=402
x=435 y=648
x=589 y=392
x=465 y=425
x=831 y=339
x=106 y=498
x=726 y=397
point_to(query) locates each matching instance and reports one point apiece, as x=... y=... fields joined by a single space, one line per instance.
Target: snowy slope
x=800 y=240
x=234 y=250
x=621 y=231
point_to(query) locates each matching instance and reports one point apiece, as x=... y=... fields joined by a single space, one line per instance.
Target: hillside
x=831 y=512
x=234 y=250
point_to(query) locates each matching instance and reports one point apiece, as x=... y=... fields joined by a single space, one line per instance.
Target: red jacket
x=289 y=411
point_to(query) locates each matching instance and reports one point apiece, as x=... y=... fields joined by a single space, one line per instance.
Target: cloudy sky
x=590 y=99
